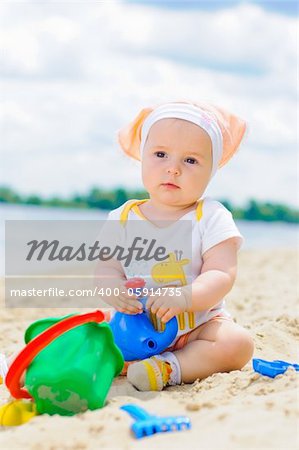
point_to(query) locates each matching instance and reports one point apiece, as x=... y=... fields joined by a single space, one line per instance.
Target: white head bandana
x=193 y=114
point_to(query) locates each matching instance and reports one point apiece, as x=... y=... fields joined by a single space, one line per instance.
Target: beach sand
x=236 y=410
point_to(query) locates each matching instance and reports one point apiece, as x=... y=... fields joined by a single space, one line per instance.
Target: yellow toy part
x=17 y=412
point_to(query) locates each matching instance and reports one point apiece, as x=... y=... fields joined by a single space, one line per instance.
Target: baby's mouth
x=170 y=185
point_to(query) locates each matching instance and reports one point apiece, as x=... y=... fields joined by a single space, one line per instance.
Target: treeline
x=111 y=199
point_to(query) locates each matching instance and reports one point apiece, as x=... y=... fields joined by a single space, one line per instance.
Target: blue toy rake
x=146 y=424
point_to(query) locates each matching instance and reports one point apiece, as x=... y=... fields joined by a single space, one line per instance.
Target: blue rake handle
x=146 y=424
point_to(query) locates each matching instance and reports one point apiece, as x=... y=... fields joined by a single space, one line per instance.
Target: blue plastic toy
x=272 y=368
x=146 y=424
x=135 y=335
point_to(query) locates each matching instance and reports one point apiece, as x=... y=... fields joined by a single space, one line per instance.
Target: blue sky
x=73 y=73
x=280 y=6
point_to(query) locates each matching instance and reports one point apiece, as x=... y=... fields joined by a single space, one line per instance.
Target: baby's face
x=177 y=162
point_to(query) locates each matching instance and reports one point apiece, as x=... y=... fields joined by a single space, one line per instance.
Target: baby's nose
x=173 y=169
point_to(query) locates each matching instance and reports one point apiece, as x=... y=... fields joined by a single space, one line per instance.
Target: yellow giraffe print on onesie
x=168 y=271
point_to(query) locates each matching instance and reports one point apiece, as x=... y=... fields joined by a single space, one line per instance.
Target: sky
x=289 y=7
x=73 y=73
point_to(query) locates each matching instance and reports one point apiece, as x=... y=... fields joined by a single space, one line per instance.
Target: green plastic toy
x=73 y=372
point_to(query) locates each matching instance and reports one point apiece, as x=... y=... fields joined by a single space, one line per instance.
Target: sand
x=236 y=410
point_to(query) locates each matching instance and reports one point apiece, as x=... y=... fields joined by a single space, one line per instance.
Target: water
x=265 y=235
x=24 y=212
x=258 y=235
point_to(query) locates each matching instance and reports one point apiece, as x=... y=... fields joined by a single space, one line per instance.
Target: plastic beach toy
x=272 y=368
x=135 y=335
x=146 y=424
x=17 y=412
x=70 y=363
x=3 y=367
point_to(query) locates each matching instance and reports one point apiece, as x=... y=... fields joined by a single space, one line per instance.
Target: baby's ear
x=129 y=137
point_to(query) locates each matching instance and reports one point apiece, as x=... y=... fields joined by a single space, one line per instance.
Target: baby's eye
x=160 y=154
x=191 y=161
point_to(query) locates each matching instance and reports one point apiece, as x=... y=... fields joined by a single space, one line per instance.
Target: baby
x=181 y=146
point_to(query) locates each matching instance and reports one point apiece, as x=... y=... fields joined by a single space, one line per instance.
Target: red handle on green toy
x=37 y=344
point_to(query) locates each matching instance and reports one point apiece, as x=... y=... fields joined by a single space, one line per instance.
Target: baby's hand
x=116 y=294
x=169 y=305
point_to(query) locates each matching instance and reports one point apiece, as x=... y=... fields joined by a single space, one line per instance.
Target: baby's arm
x=217 y=276
x=110 y=278
x=214 y=282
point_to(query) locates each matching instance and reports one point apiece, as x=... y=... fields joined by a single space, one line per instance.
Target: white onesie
x=185 y=241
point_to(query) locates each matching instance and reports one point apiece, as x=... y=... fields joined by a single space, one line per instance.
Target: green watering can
x=70 y=363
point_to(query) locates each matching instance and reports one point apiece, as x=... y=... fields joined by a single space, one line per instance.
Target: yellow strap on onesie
x=133 y=205
x=199 y=210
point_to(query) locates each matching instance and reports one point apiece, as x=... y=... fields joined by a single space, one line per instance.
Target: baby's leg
x=217 y=346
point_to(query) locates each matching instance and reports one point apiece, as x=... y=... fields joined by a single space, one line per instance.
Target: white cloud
x=244 y=35
x=73 y=73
